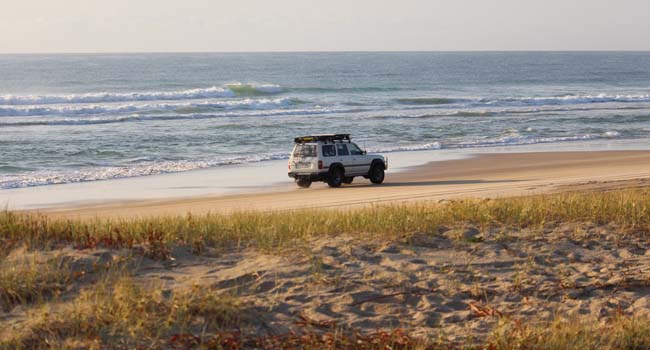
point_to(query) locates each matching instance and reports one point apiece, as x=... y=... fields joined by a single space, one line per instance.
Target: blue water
x=69 y=118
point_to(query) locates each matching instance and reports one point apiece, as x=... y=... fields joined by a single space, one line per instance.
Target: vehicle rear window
x=342 y=149
x=302 y=150
x=329 y=151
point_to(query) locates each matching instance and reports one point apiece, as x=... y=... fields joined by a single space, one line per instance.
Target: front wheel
x=304 y=183
x=376 y=173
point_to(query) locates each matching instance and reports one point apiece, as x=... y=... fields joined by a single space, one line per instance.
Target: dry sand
x=454 y=285
x=487 y=175
x=435 y=285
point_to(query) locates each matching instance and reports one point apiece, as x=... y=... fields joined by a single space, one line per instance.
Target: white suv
x=335 y=159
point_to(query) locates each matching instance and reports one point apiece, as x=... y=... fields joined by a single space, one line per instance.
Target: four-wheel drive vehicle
x=335 y=159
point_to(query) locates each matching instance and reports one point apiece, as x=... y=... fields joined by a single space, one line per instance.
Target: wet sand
x=484 y=175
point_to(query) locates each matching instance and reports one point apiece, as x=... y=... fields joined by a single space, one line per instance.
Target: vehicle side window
x=342 y=149
x=329 y=151
x=354 y=149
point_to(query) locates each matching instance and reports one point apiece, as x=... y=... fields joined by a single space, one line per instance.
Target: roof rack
x=323 y=138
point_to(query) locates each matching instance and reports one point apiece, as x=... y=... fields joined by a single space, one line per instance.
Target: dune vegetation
x=77 y=284
x=629 y=210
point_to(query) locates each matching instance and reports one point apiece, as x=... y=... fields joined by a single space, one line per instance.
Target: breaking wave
x=196 y=114
x=229 y=90
x=510 y=137
x=567 y=99
x=133 y=108
x=427 y=101
x=525 y=101
x=106 y=173
x=418 y=147
x=254 y=90
x=514 y=139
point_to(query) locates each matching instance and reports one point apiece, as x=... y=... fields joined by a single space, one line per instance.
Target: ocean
x=71 y=118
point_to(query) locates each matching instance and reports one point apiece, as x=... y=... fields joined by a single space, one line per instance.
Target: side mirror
x=365 y=152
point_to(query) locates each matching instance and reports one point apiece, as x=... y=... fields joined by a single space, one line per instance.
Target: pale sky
x=328 y=25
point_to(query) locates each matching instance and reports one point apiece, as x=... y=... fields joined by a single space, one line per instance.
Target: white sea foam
x=106 y=119
x=98 y=97
x=568 y=99
x=254 y=89
x=417 y=147
x=494 y=108
x=67 y=110
x=230 y=90
x=515 y=140
x=105 y=173
x=445 y=102
x=510 y=137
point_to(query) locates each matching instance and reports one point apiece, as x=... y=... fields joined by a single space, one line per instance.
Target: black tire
x=303 y=183
x=348 y=180
x=376 y=173
x=335 y=178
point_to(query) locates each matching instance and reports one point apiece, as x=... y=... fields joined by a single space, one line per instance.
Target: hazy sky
x=327 y=25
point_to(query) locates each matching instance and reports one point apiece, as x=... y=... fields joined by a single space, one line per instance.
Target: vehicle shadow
x=441 y=183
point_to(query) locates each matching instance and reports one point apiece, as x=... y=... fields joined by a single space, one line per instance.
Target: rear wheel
x=304 y=183
x=348 y=180
x=335 y=178
x=376 y=174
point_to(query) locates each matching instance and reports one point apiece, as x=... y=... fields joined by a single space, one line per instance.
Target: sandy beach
x=480 y=175
x=500 y=270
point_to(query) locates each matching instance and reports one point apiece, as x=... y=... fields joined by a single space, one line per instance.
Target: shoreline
x=242 y=179
x=488 y=175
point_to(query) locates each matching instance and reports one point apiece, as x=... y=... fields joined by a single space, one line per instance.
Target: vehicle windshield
x=354 y=149
x=302 y=150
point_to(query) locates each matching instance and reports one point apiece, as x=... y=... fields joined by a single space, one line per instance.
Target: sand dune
x=455 y=284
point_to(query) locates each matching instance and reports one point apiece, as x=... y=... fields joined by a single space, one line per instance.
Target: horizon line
x=323 y=51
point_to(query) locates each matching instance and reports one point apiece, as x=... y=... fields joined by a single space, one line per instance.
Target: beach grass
x=629 y=210
x=26 y=280
x=114 y=311
x=622 y=333
x=118 y=312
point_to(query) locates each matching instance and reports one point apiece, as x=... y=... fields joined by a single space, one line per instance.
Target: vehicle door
x=328 y=152
x=344 y=158
x=358 y=159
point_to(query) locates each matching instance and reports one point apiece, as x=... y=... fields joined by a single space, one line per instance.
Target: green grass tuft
x=26 y=280
x=629 y=210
